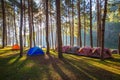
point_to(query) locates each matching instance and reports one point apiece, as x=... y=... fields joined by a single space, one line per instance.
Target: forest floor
x=49 y=67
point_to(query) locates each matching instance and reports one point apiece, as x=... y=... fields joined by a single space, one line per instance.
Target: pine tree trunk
x=70 y=28
x=100 y=26
x=15 y=26
x=69 y=25
x=21 y=25
x=56 y=39
x=59 y=38
x=51 y=28
x=34 y=35
x=103 y=30
x=30 y=23
x=40 y=34
x=8 y=29
x=47 y=41
x=84 y=25
x=66 y=38
x=66 y=30
x=79 y=25
x=119 y=44
x=33 y=31
x=6 y=36
x=51 y=31
x=24 y=26
x=4 y=23
x=13 y=39
x=97 y=23
x=91 y=37
x=63 y=37
x=72 y=24
x=43 y=35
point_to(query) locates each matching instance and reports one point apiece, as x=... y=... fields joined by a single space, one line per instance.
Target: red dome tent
x=96 y=53
x=65 y=48
x=86 y=51
x=16 y=47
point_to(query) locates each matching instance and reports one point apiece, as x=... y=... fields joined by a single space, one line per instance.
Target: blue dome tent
x=35 y=51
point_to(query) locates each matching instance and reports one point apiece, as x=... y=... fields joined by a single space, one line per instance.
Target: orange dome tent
x=15 y=47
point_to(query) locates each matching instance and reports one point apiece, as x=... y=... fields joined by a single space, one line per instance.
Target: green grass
x=49 y=67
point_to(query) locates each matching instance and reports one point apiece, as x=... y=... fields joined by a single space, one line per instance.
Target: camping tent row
x=87 y=51
x=31 y=52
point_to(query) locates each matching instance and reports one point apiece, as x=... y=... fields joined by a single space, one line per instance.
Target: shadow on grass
x=96 y=72
x=19 y=69
x=40 y=59
x=114 y=60
x=27 y=70
x=16 y=60
x=43 y=62
x=79 y=73
x=5 y=60
x=60 y=72
x=47 y=60
x=37 y=68
x=58 y=69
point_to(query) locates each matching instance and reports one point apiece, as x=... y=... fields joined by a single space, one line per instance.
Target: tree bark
x=66 y=30
x=4 y=23
x=21 y=25
x=30 y=23
x=51 y=27
x=40 y=33
x=69 y=24
x=103 y=30
x=72 y=24
x=8 y=33
x=98 y=23
x=16 y=38
x=91 y=37
x=59 y=38
x=33 y=31
x=119 y=44
x=79 y=25
x=5 y=5
x=63 y=36
x=24 y=25
x=13 y=39
x=47 y=18
x=84 y=25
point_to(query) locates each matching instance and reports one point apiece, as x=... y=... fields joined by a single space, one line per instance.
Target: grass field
x=49 y=67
